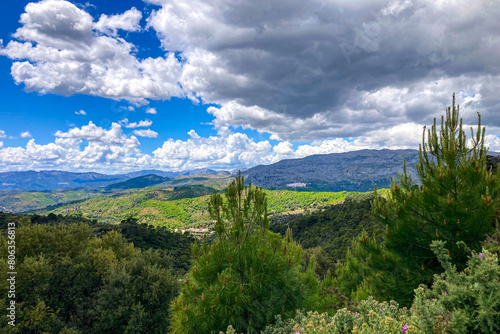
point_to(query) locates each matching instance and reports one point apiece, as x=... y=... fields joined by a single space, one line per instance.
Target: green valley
x=185 y=206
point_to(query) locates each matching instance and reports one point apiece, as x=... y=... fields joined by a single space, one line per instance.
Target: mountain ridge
x=350 y=171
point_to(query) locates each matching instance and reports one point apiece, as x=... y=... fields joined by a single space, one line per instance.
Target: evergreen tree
x=248 y=275
x=456 y=201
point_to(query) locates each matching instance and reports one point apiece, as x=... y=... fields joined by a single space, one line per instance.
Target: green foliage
x=280 y=201
x=370 y=269
x=183 y=206
x=461 y=302
x=454 y=203
x=22 y=201
x=370 y=317
x=141 y=235
x=247 y=275
x=331 y=229
x=72 y=282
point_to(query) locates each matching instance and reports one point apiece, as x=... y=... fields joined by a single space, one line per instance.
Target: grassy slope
x=167 y=208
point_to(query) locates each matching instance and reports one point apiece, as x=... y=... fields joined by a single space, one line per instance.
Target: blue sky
x=118 y=86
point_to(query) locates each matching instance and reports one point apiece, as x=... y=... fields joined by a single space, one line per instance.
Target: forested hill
x=349 y=171
x=332 y=229
x=141 y=235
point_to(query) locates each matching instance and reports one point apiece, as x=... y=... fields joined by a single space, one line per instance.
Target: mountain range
x=54 y=179
x=349 y=171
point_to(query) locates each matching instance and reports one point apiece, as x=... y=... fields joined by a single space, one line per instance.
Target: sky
x=117 y=86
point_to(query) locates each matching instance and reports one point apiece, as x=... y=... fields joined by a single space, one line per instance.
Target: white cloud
x=111 y=150
x=81 y=112
x=234 y=150
x=25 y=134
x=105 y=151
x=141 y=124
x=151 y=111
x=128 y=21
x=93 y=133
x=57 y=51
x=2 y=134
x=492 y=142
x=1 y=144
x=146 y=133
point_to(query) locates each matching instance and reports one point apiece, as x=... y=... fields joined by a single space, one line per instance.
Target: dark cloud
x=302 y=58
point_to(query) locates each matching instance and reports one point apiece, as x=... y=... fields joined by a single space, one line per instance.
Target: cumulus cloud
x=1 y=144
x=141 y=124
x=81 y=112
x=146 y=133
x=57 y=50
x=128 y=21
x=313 y=69
x=151 y=111
x=301 y=71
x=95 y=134
x=236 y=149
x=91 y=147
x=2 y=134
x=105 y=150
x=25 y=134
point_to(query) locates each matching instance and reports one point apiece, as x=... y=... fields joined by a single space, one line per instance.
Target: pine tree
x=247 y=275
x=455 y=201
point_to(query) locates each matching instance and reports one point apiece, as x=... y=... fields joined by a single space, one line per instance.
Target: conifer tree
x=455 y=201
x=247 y=275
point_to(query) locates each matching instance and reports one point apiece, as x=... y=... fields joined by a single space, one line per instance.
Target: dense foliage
x=70 y=281
x=247 y=275
x=332 y=229
x=465 y=301
x=142 y=236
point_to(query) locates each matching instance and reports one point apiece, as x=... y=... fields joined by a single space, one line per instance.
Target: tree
x=74 y=282
x=248 y=275
x=455 y=202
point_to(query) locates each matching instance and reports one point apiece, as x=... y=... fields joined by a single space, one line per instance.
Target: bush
x=461 y=302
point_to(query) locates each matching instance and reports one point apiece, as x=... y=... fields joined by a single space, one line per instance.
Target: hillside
x=184 y=206
x=333 y=228
x=137 y=182
x=349 y=171
x=21 y=201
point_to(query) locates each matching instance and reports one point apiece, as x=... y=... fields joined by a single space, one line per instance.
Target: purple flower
x=297 y=332
x=446 y=293
x=481 y=256
x=405 y=327
x=302 y=328
x=356 y=315
x=382 y=309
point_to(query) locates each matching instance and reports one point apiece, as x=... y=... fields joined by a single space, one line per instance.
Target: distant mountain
x=175 y=174
x=350 y=171
x=151 y=171
x=54 y=179
x=137 y=182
